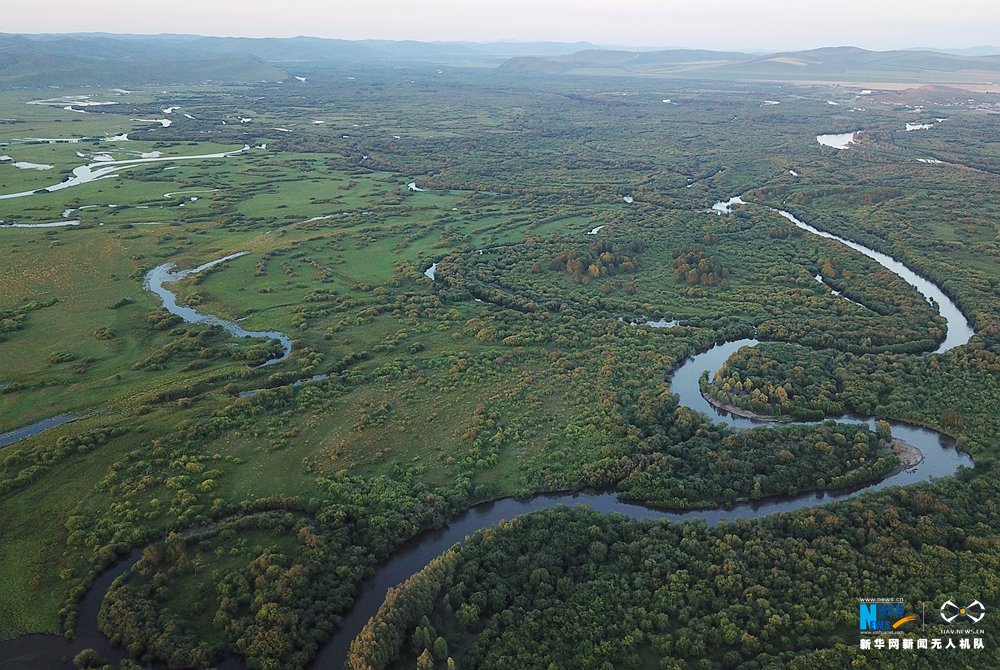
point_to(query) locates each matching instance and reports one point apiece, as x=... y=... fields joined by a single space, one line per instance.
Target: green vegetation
x=262 y=503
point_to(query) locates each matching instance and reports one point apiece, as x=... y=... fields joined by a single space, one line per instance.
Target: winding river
x=165 y=274
x=959 y=329
x=940 y=459
x=85 y=174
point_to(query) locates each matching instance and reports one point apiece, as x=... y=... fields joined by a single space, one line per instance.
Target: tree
x=89 y=658
x=883 y=430
x=425 y=661
x=440 y=649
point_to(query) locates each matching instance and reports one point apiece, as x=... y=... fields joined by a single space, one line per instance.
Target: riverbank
x=744 y=413
x=910 y=455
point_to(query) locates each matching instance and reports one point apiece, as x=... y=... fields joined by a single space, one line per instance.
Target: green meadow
x=515 y=371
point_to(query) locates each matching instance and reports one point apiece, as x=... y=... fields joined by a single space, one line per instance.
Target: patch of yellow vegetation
x=66 y=268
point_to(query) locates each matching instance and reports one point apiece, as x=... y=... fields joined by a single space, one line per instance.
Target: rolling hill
x=116 y=60
x=828 y=64
x=72 y=60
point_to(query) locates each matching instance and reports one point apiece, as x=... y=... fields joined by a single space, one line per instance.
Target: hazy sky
x=716 y=24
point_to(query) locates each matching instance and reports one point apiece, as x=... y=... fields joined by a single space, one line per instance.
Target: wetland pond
x=837 y=140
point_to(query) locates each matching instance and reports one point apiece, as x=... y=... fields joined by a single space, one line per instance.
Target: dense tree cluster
x=941 y=390
x=693 y=265
x=756 y=464
x=601 y=259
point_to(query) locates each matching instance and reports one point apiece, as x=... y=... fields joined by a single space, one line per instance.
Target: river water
x=959 y=329
x=85 y=174
x=940 y=459
x=35 y=428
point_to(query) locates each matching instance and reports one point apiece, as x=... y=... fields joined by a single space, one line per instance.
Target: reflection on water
x=837 y=140
x=959 y=329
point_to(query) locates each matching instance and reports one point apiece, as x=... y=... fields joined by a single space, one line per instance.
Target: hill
x=620 y=61
x=826 y=64
x=117 y=60
x=113 y=61
x=122 y=60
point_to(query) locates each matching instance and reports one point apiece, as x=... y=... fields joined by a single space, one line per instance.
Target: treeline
x=405 y=609
x=756 y=464
x=275 y=598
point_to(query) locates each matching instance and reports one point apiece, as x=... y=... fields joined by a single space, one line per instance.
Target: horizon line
x=602 y=45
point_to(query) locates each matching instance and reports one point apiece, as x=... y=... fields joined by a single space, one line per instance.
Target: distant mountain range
x=122 y=60
x=114 y=60
x=969 y=51
x=830 y=64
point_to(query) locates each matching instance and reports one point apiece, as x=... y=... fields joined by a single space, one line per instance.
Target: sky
x=712 y=24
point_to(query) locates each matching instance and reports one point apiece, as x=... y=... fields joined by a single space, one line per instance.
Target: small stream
x=35 y=428
x=158 y=277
